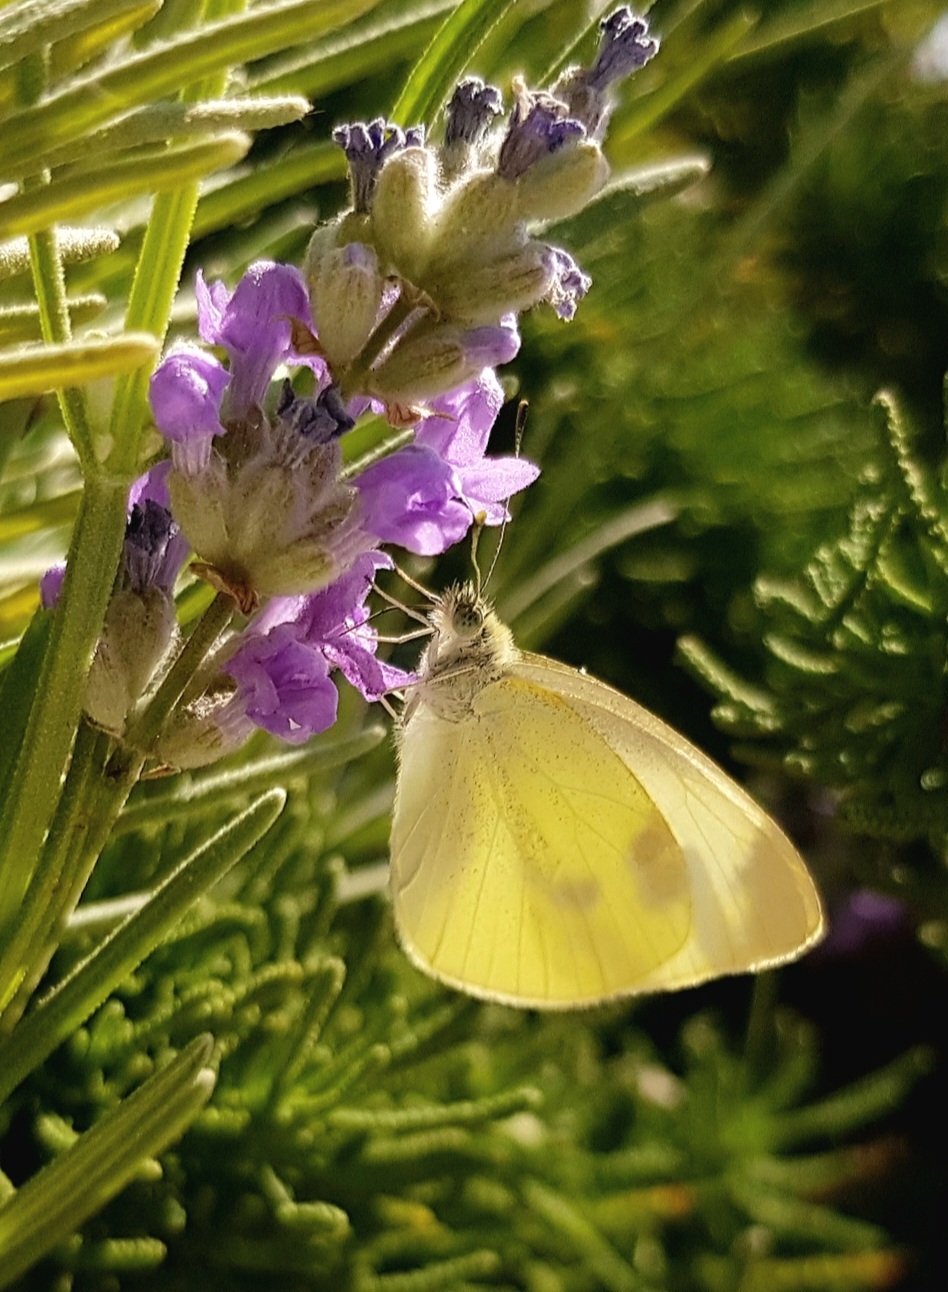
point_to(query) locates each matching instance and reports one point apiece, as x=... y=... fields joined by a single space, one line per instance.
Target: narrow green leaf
x=440 y=66
x=75 y=246
x=366 y=50
x=74 y=1186
x=163 y=69
x=803 y=23
x=863 y=1101
x=21 y=324
x=16 y=690
x=45 y=514
x=151 y=171
x=266 y=185
x=37 y=369
x=190 y=797
x=74 y=999
x=174 y=119
x=28 y=28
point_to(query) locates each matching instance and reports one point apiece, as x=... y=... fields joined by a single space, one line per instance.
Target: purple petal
x=253 y=325
x=212 y=300
x=185 y=393
x=569 y=285
x=494 y=344
x=461 y=421
x=51 y=585
x=152 y=486
x=341 y=606
x=410 y=499
x=284 y=684
x=496 y=479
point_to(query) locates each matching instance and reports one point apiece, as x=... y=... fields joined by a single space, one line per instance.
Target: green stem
x=144 y=729
x=49 y=278
x=21 y=956
x=30 y=797
x=49 y=282
x=759 y=1036
x=158 y=269
x=378 y=340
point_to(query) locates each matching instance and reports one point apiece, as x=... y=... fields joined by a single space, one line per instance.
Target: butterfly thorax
x=469 y=649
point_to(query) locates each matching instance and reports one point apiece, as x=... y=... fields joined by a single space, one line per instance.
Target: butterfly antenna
x=480 y=519
x=520 y=423
x=413 y=583
x=395 y=604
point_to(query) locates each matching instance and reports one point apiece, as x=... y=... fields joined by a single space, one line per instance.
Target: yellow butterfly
x=555 y=845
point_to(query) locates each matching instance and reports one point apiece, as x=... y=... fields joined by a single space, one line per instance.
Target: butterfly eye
x=468 y=618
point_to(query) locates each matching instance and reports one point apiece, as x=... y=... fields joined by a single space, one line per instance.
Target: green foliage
x=855 y=692
x=770 y=256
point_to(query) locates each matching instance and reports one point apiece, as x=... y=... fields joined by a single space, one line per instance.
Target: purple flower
x=256 y=493
x=254 y=326
x=470 y=112
x=410 y=499
x=540 y=125
x=283 y=663
x=862 y=921
x=569 y=283
x=51 y=585
x=154 y=550
x=186 y=392
x=425 y=496
x=367 y=148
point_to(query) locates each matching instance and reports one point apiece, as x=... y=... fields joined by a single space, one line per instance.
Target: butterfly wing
x=529 y=863
x=754 y=903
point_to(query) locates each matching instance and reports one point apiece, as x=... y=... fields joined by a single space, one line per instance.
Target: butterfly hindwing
x=754 y=901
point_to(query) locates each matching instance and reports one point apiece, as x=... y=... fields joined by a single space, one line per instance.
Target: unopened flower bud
x=540 y=125
x=624 y=47
x=407 y=197
x=138 y=633
x=209 y=728
x=276 y=524
x=481 y=291
x=469 y=116
x=479 y=210
x=562 y=183
x=345 y=294
x=435 y=358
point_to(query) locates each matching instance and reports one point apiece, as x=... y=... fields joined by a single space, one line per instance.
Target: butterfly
x=554 y=845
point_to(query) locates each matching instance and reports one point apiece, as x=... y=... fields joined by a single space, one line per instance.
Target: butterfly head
x=468 y=641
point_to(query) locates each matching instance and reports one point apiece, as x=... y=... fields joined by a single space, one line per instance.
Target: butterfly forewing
x=529 y=864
